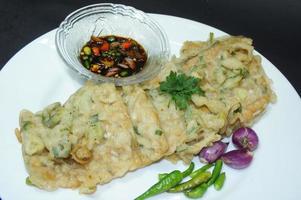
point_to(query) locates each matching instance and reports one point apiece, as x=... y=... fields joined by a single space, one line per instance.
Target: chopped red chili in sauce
x=113 y=56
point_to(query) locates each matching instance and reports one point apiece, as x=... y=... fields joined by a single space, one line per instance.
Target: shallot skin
x=238 y=159
x=212 y=153
x=245 y=137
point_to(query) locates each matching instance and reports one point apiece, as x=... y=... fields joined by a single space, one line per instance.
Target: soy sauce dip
x=113 y=56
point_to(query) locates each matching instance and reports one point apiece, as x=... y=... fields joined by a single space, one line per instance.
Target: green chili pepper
x=201 y=178
x=189 y=170
x=201 y=170
x=216 y=172
x=218 y=184
x=163 y=185
x=197 y=192
x=87 y=64
x=161 y=176
x=87 y=50
x=185 y=173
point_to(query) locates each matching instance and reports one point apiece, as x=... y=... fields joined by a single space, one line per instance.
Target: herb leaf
x=181 y=87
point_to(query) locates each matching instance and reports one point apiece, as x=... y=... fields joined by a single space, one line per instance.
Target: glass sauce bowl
x=112 y=19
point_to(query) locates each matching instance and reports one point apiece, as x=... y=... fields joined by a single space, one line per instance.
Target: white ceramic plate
x=36 y=76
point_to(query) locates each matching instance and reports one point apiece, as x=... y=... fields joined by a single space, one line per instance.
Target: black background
x=274 y=25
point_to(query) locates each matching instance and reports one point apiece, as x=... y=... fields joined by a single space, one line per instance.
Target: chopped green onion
x=124 y=73
x=28 y=182
x=87 y=64
x=85 y=57
x=211 y=37
x=158 y=132
x=136 y=130
x=111 y=39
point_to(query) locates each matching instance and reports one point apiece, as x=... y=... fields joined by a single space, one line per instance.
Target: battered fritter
x=102 y=131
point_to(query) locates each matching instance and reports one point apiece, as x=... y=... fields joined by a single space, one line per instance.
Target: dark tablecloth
x=274 y=25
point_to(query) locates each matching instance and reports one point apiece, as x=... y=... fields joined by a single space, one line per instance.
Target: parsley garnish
x=181 y=87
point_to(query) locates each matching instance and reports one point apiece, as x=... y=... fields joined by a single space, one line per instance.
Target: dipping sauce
x=113 y=56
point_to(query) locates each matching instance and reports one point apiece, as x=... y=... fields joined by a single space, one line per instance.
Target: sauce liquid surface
x=113 y=56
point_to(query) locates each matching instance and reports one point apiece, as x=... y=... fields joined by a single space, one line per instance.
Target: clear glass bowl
x=112 y=19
